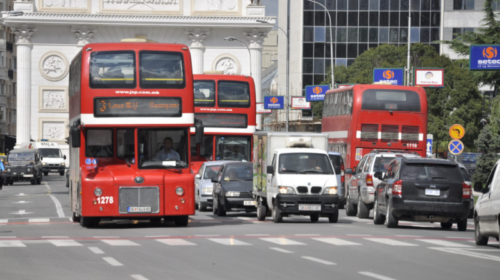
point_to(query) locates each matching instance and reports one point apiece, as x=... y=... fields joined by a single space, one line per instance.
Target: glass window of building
x=394 y=21
x=330 y=4
x=341 y=5
x=308 y=34
x=353 y=35
x=341 y=61
x=363 y=34
x=308 y=50
x=403 y=19
x=319 y=18
x=384 y=19
x=403 y=37
x=425 y=5
x=434 y=34
x=353 y=19
x=373 y=18
x=341 y=19
x=352 y=50
x=327 y=33
x=341 y=34
x=383 y=35
x=319 y=50
x=353 y=5
x=308 y=18
x=319 y=34
x=384 y=5
x=363 y=5
x=341 y=51
x=425 y=19
x=393 y=35
x=436 y=5
x=435 y=19
x=395 y=5
x=362 y=48
x=415 y=19
x=415 y=5
x=374 y=5
x=415 y=35
x=404 y=5
x=308 y=5
x=319 y=66
x=424 y=35
x=373 y=35
x=363 y=19
x=307 y=66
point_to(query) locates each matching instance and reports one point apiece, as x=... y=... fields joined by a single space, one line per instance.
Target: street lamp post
x=230 y=39
x=287 y=94
x=409 y=43
x=331 y=40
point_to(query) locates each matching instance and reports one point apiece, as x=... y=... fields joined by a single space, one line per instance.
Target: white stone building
x=50 y=33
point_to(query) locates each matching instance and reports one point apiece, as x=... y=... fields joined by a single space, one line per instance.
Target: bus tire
x=89 y=222
x=181 y=221
x=350 y=210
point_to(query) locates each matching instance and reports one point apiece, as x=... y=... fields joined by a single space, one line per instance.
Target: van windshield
x=302 y=163
x=50 y=153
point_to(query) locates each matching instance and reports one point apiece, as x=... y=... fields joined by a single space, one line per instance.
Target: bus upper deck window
x=113 y=69
x=159 y=69
x=233 y=94
x=204 y=93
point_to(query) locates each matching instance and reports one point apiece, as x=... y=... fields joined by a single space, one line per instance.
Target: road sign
x=261 y=110
x=484 y=57
x=274 y=102
x=428 y=77
x=457 y=131
x=394 y=76
x=456 y=147
x=316 y=93
x=429 y=147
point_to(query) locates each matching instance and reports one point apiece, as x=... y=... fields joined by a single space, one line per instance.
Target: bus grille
x=409 y=134
x=369 y=132
x=390 y=133
x=139 y=197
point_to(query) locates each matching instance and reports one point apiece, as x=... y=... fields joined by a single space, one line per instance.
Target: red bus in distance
x=361 y=118
x=226 y=105
x=131 y=108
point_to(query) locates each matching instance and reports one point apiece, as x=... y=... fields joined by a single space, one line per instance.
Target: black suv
x=23 y=165
x=426 y=190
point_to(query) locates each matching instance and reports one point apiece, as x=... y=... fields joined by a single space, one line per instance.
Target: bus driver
x=167 y=153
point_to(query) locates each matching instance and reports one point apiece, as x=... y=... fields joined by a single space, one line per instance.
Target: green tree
x=487 y=143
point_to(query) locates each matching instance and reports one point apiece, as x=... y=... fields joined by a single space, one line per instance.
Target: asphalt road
x=39 y=241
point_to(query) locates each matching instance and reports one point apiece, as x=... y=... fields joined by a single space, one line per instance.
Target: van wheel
x=462 y=225
x=480 y=239
x=390 y=220
x=377 y=218
x=202 y=207
x=314 y=218
x=61 y=173
x=447 y=225
x=261 y=211
x=277 y=218
x=350 y=210
x=333 y=218
x=46 y=173
x=33 y=181
x=363 y=211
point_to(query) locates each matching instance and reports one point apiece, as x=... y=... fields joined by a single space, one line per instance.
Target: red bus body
x=355 y=128
x=128 y=185
x=222 y=120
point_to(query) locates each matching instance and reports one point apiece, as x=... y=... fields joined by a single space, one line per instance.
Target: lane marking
x=373 y=275
x=336 y=241
x=307 y=234
x=4 y=221
x=228 y=241
x=415 y=236
x=21 y=194
x=208 y=222
x=21 y=212
x=468 y=253
x=101 y=237
x=138 y=277
x=59 y=209
x=65 y=243
x=319 y=260
x=55 y=237
x=281 y=250
x=112 y=261
x=157 y=236
x=444 y=243
x=13 y=243
x=282 y=241
x=22 y=201
x=175 y=242
x=257 y=234
x=201 y=217
x=114 y=242
x=7 y=237
x=359 y=235
x=207 y=235
x=47 y=185
x=245 y=218
x=40 y=220
x=391 y=242
x=96 y=250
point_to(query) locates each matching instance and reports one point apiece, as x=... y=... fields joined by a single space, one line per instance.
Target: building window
x=459 y=31
x=319 y=34
x=495 y=5
x=463 y=4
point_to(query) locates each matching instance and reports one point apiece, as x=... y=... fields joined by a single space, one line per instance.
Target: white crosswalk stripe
x=228 y=241
x=120 y=242
x=13 y=243
x=391 y=242
x=444 y=243
x=282 y=241
x=175 y=242
x=65 y=243
x=201 y=217
x=336 y=241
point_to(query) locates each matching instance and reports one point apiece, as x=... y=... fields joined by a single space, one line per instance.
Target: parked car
x=338 y=165
x=361 y=186
x=468 y=180
x=232 y=188
x=23 y=165
x=418 y=189
x=487 y=209
x=203 y=183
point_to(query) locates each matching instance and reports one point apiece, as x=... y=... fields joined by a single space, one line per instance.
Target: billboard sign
x=484 y=57
x=300 y=103
x=274 y=102
x=316 y=93
x=428 y=77
x=261 y=110
x=393 y=76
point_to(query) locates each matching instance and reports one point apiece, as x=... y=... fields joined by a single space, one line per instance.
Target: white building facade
x=50 y=33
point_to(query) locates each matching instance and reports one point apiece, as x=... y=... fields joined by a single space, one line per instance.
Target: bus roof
x=374 y=86
x=221 y=77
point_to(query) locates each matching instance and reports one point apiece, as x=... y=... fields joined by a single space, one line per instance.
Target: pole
x=287 y=66
x=409 y=42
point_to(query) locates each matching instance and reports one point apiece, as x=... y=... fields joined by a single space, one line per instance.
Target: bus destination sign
x=223 y=120
x=137 y=107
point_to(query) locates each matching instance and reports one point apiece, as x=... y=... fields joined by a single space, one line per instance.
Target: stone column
x=24 y=33
x=256 y=39
x=84 y=34
x=197 y=47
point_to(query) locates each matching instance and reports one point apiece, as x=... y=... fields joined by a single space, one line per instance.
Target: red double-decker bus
x=362 y=118
x=131 y=108
x=226 y=106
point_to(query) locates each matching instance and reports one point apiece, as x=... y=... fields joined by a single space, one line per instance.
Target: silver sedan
x=203 y=183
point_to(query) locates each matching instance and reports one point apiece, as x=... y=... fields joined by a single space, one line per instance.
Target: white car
x=487 y=209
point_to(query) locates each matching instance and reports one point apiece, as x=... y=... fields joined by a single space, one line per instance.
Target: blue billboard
x=316 y=93
x=484 y=57
x=274 y=102
x=394 y=76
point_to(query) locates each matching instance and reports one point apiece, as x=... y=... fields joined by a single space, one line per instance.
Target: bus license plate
x=307 y=207
x=250 y=202
x=139 y=209
x=432 y=192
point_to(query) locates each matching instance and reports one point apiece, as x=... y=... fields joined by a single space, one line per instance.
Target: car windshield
x=430 y=172
x=163 y=148
x=238 y=173
x=304 y=163
x=211 y=171
x=50 y=153
x=21 y=157
x=382 y=163
x=233 y=148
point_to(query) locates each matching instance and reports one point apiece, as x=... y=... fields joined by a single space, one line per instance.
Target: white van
x=53 y=159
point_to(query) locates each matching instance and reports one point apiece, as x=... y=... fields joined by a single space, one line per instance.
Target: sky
x=271 y=7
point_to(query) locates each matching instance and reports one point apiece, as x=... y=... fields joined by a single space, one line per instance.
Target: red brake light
x=342 y=175
x=466 y=191
x=369 y=180
x=397 y=188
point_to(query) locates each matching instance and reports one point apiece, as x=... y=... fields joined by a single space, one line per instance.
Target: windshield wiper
x=312 y=171
x=291 y=171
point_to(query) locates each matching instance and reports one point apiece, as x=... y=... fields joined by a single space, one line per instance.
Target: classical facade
x=49 y=33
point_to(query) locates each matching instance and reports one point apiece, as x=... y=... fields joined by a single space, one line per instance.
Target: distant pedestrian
x=2 y=169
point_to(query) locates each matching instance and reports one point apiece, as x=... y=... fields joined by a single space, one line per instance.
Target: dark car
x=23 y=165
x=429 y=190
x=232 y=190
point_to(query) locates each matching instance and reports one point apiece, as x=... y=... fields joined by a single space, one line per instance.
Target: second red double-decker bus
x=131 y=108
x=226 y=106
x=361 y=118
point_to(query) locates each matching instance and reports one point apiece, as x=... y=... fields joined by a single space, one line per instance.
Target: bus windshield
x=114 y=69
x=204 y=93
x=233 y=94
x=302 y=163
x=233 y=148
x=391 y=100
x=163 y=148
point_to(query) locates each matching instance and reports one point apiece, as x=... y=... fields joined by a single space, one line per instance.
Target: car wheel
x=471 y=213
x=221 y=212
x=314 y=218
x=277 y=218
x=363 y=211
x=390 y=220
x=39 y=180
x=462 y=225
x=11 y=182
x=46 y=173
x=89 y=222
x=447 y=225
x=181 y=221
x=261 y=211
x=202 y=207
x=33 y=181
x=75 y=218
x=377 y=218
x=333 y=218
x=61 y=173
x=341 y=204
x=350 y=210
x=481 y=240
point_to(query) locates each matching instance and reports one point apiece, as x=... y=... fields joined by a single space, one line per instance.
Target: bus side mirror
x=270 y=169
x=75 y=137
x=198 y=124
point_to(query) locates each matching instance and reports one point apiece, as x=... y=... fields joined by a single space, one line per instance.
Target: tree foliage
x=487 y=143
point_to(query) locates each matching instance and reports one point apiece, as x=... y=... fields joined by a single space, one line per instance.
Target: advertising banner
x=484 y=57
x=428 y=77
x=316 y=93
x=394 y=76
x=274 y=102
x=261 y=110
x=300 y=103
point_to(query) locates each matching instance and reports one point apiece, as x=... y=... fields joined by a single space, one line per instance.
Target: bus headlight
x=98 y=192
x=207 y=190
x=330 y=190
x=179 y=191
x=286 y=190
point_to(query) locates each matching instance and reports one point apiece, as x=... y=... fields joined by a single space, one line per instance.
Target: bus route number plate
x=139 y=209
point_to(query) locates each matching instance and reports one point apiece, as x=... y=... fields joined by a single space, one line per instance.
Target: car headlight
x=330 y=190
x=232 y=193
x=207 y=190
x=287 y=190
x=98 y=192
x=9 y=170
x=44 y=163
x=63 y=163
x=179 y=191
x=28 y=169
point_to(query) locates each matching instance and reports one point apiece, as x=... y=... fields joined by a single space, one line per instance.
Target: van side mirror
x=270 y=169
x=348 y=171
x=64 y=157
x=198 y=137
x=214 y=180
x=379 y=175
x=75 y=137
x=197 y=176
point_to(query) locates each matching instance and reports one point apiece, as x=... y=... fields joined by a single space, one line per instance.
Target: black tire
x=221 y=212
x=46 y=173
x=471 y=213
x=314 y=218
x=333 y=218
x=181 y=221
x=447 y=225
x=377 y=218
x=261 y=211
x=277 y=218
x=39 y=180
x=462 y=225
x=363 y=211
x=89 y=222
x=33 y=181
x=341 y=205
x=202 y=207
x=196 y=207
x=481 y=240
x=350 y=210
x=75 y=218
x=11 y=182
x=214 y=206
x=390 y=220
x=61 y=173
